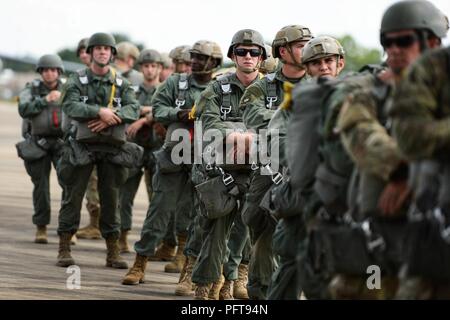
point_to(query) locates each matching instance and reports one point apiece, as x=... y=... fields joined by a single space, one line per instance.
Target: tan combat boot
x=113 y=259
x=185 y=285
x=177 y=264
x=216 y=287
x=123 y=242
x=164 y=252
x=64 y=257
x=136 y=274
x=240 y=285
x=226 y=293
x=41 y=234
x=202 y=291
x=92 y=230
x=73 y=240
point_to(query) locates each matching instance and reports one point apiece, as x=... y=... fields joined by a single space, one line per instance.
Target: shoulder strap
x=271 y=96
x=183 y=86
x=225 y=87
x=35 y=84
x=84 y=80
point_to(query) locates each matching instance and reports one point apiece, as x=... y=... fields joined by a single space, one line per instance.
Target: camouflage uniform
x=421 y=126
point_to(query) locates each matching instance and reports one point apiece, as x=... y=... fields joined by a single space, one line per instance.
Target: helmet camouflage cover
x=321 y=47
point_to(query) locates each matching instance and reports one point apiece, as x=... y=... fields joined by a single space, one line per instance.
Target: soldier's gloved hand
x=133 y=129
x=393 y=197
x=183 y=115
x=109 y=117
x=160 y=130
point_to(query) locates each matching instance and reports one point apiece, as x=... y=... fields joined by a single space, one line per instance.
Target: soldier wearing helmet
x=172 y=103
x=40 y=109
x=99 y=103
x=141 y=132
x=126 y=57
x=219 y=110
x=82 y=53
x=408 y=28
x=323 y=56
x=90 y=231
x=181 y=59
x=420 y=114
x=259 y=103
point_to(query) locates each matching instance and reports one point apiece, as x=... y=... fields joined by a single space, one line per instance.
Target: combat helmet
x=208 y=48
x=414 y=14
x=82 y=45
x=149 y=56
x=249 y=37
x=289 y=34
x=102 y=39
x=181 y=54
x=321 y=47
x=126 y=49
x=50 y=61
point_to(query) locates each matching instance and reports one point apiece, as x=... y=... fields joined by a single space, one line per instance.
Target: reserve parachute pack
x=221 y=157
x=49 y=121
x=114 y=135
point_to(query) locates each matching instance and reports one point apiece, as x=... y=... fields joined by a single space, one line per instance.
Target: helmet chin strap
x=205 y=70
x=295 y=63
x=246 y=70
x=102 y=65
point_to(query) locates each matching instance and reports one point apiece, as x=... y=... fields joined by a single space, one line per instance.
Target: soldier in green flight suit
x=259 y=103
x=90 y=231
x=40 y=108
x=141 y=132
x=98 y=103
x=220 y=113
x=321 y=56
x=172 y=104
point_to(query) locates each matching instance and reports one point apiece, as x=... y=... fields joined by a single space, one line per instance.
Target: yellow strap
x=192 y=113
x=113 y=89
x=287 y=101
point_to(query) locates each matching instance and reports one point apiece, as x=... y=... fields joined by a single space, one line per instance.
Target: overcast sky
x=31 y=27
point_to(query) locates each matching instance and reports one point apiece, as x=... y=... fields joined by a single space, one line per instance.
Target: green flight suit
x=215 y=251
x=172 y=192
x=31 y=103
x=111 y=176
x=259 y=103
x=146 y=138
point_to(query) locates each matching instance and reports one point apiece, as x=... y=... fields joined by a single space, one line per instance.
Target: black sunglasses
x=401 y=42
x=241 y=52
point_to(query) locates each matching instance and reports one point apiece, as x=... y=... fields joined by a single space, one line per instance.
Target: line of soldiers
x=357 y=174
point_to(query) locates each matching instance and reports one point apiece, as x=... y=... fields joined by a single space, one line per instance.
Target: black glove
x=183 y=115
